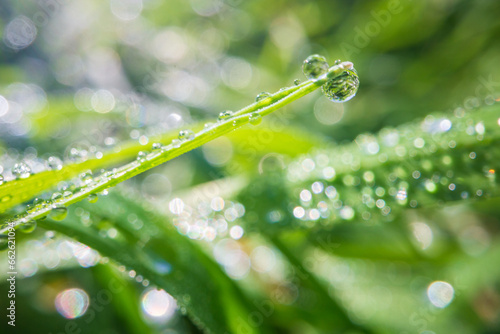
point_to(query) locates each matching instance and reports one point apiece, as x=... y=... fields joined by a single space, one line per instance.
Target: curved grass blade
x=244 y=116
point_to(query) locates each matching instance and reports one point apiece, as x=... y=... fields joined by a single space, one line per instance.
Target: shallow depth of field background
x=93 y=74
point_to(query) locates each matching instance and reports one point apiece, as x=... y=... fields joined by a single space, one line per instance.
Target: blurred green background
x=93 y=74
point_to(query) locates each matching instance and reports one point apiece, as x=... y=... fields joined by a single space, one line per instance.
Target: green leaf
x=443 y=158
x=169 y=260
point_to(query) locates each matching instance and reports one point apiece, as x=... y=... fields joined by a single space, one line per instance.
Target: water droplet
x=38 y=201
x=56 y=196
x=21 y=170
x=108 y=174
x=176 y=143
x=186 y=135
x=156 y=146
x=92 y=198
x=296 y=82
x=255 y=118
x=76 y=154
x=342 y=88
x=59 y=212
x=262 y=96
x=225 y=115
x=28 y=227
x=314 y=66
x=54 y=163
x=86 y=177
x=338 y=61
x=141 y=156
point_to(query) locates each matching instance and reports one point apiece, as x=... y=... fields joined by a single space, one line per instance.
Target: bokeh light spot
x=72 y=303
x=440 y=293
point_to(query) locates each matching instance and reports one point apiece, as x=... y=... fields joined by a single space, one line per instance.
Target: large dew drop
x=86 y=177
x=59 y=212
x=92 y=198
x=28 y=227
x=314 y=66
x=342 y=88
x=255 y=118
x=262 y=96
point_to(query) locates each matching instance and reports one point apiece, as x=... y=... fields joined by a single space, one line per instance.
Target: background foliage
x=340 y=235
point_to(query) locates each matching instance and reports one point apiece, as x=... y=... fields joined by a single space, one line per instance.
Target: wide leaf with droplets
x=443 y=158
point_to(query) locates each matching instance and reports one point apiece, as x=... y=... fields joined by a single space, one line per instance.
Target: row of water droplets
x=24 y=164
x=53 y=206
x=407 y=167
x=23 y=170
x=339 y=89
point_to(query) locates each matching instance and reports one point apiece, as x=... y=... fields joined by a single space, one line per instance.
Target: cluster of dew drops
x=339 y=89
x=322 y=192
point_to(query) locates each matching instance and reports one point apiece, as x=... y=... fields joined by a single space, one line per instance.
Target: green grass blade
x=171 y=151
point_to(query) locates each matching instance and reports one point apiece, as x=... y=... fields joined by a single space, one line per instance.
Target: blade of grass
x=238 y=119
x=21 y=190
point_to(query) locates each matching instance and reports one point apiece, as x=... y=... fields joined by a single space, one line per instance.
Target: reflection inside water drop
x=314 y=66
x=342 y=88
